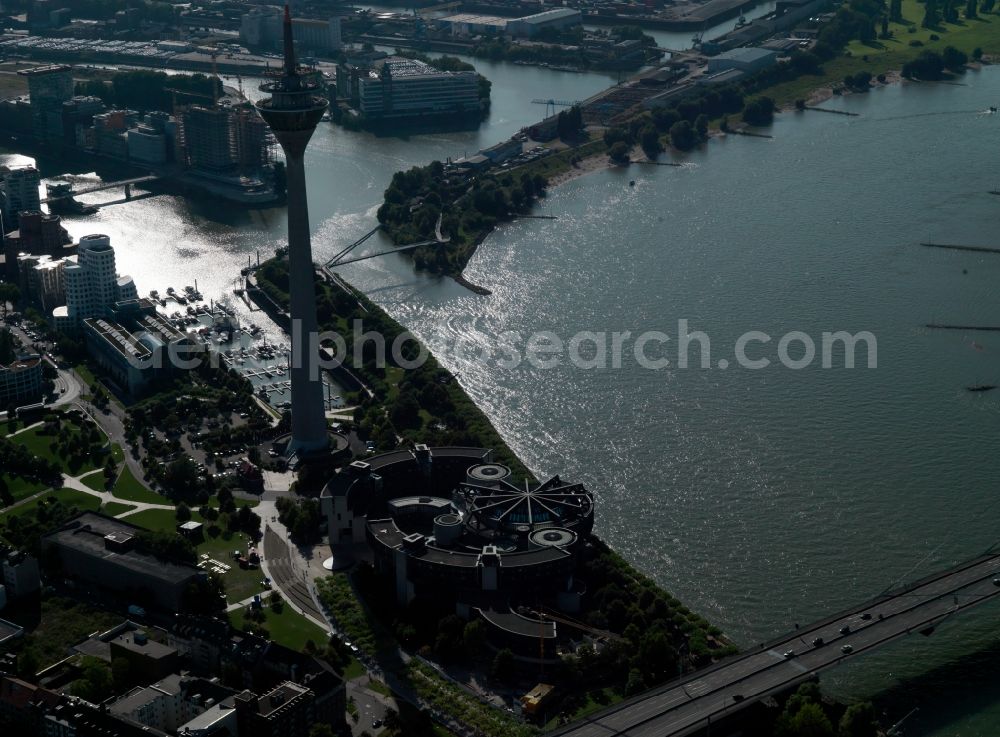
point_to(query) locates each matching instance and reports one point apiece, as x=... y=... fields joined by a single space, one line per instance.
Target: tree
x=759 y=111
x=9 y=292
x=858 y=721
x=635 y=683
x=970 y=10
x=618 y=153
x=503 y=665
x=183 y=512
x=649 y=139
x=931 y=15
x=682 y=136
x=811 y=721
x=954 y=59
x=474 y=637
x=896 y=11
x=701 y=125
x=321 y=730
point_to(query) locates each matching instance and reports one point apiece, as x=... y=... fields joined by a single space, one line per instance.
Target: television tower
x=294 y=108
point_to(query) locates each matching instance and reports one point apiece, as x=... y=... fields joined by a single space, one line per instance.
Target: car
x=789 y=654
x=376 y=724
x=370 y=446
x=866 y=616
x=818 y=642
x=847 y=649
x=996 y=581
x=845 y=630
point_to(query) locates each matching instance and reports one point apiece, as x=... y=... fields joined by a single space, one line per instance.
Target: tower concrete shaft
x=292 y=112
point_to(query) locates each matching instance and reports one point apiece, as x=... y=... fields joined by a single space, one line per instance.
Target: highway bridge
x=697 y=700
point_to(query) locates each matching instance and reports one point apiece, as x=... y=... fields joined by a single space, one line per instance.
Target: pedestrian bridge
x=693 y=702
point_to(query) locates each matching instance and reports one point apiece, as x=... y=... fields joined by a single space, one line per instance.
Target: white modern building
x=92 y=285
x=474 y=24
x=397 y=87
x=262 y=28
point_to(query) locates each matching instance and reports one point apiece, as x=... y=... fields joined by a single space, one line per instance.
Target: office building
x=288 y=710
x=134 y=345
x=263 y=28
x=21 y=381
x=48 y=88
x=19 y=188
x=92 y=284
x=207 y=138
x=397 y=87
x=172 y=702
x=21 y=576
x=474 y=24
x=99 y=551
x=146 y=145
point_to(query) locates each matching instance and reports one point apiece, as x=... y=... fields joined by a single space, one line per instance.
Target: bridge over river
x=693 y=702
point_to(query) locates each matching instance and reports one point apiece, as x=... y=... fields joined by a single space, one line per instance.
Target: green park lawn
x=129 y=488
x=94 y=480
x=289 y=628
x=70 y=497
x=113 y=509
x=881 y=56
x=240 y=584
x=20 y=488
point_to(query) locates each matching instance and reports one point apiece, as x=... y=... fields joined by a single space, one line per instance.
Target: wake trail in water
x=929 y=115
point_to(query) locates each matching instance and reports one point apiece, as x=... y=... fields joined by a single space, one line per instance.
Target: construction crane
x=543 y=616
x=174 y=92
x=552 y=104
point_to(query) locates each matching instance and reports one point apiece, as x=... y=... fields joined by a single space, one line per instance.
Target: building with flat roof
x=135 y=345
x=474 y=24
x=21 y=575
x=19 y=187
x=288 y=710
x=101 y=551
x=262 y=28
x=397 y=87
x=49 y=87
x=149 y=657
x=748 y=60
x=172 y=702
x=21 y=381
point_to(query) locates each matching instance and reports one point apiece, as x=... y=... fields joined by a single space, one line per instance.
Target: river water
x=759 y=497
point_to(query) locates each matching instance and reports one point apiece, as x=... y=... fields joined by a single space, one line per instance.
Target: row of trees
x=144 y=89
x=930 y=65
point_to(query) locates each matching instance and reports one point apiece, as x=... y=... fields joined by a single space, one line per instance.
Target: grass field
x=881 y=56
x=289 y=628
x=94 y=480
x=72 y=497
x=19 y=488
x=240 y=583
x=113 y=509
x=127 y=487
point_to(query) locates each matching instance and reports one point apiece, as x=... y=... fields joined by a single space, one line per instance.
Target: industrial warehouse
x=447 y=522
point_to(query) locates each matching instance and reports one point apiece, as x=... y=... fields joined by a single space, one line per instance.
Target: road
x=690 y=704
